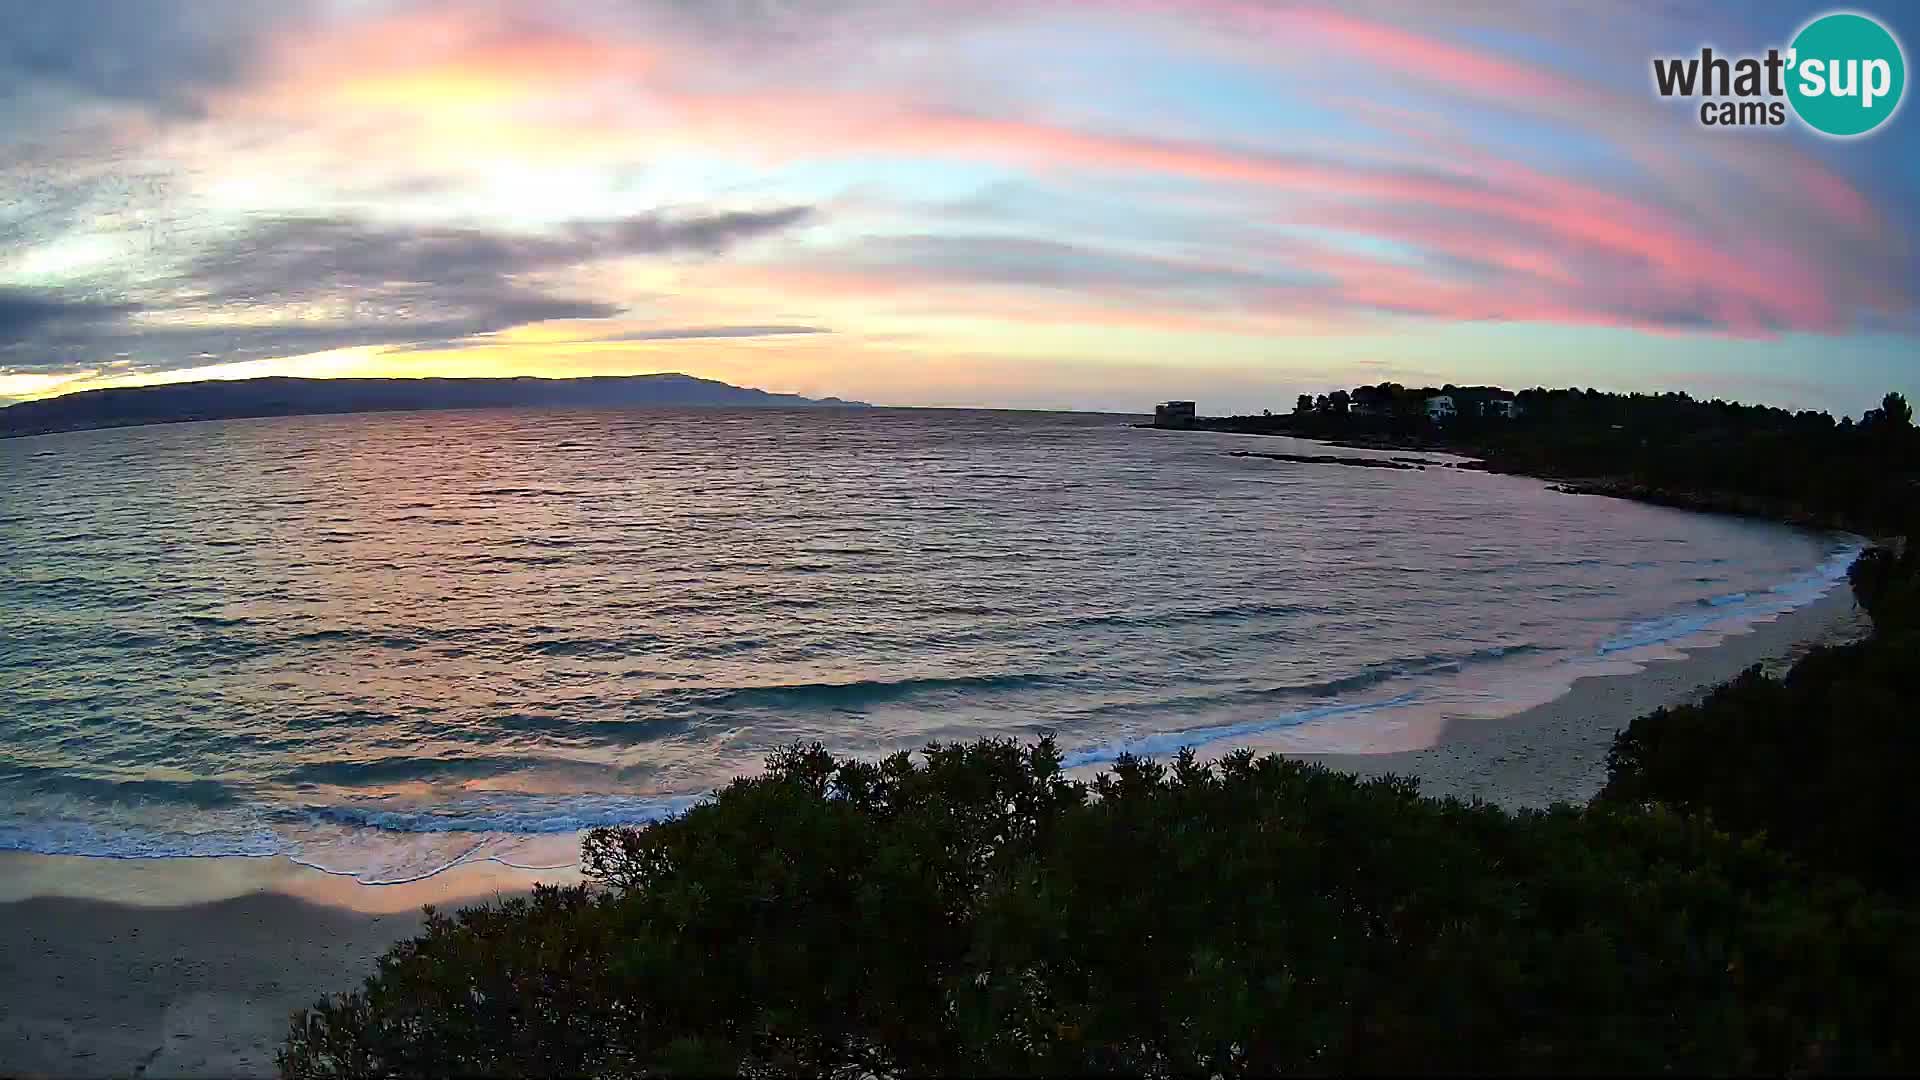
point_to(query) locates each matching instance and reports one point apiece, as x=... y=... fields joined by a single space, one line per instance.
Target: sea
x=384 y=645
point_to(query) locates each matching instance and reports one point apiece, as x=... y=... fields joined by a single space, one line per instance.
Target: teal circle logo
x=1846 y=74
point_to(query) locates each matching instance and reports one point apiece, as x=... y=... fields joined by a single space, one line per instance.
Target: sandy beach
x=1557 y=752
x=190 y=967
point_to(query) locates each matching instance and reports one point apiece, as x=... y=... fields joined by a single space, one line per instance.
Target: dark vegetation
x=240 y=398
x=1820 y=762
x=1669 y=448
x=1741 y=898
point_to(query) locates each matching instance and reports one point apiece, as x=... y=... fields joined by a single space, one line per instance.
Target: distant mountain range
x=235 y=399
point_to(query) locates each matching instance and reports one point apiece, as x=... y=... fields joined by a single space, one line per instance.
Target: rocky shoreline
x=1407 y=464
x=1710 y=502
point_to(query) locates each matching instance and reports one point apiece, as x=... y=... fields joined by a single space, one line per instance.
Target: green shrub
x=976 y=911
x=1821 y=761
x=1887 y=585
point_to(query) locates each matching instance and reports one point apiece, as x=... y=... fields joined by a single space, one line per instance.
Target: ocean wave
x=339 y=636
x=390 y=844
x=1169 y=742
x=1334 y=686
x=1192 y=615
x=514 y=492
x=628 y=645
x=1432 y=663
x=218 y=621
x=582 y=729
x=851 y=695
x=1023 y=626
x=522 y=815
x=402 y=767
x=21 y=779
x=371 y=845
x=114 y=841
x=407 y=876
x=1732 y=610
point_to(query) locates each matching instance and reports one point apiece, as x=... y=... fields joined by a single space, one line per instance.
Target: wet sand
x=144 y=968
x=1557 y=752
x=191 y=967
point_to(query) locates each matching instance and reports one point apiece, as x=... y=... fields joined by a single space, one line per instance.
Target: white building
x=1440 y=406
x=1501 y=407
x=1173 y=414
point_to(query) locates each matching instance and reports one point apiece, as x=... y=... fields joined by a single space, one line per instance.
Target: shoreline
x=1478 y=459
x=1557 y=751
x=192 y=966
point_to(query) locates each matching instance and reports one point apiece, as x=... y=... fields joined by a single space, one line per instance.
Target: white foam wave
x=1736 y=609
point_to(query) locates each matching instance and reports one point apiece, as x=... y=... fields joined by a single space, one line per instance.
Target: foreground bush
x=978 y=912
x=1820 y=762
x=1887 y=585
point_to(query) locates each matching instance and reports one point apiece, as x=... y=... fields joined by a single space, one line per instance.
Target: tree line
x=1802 y=465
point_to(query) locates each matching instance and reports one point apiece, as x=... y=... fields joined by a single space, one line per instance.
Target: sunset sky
x=1090 y=204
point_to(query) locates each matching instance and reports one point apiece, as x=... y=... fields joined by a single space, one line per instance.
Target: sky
x=1094 y=204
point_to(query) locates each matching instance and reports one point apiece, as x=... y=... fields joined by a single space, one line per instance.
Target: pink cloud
x=1563 y=248
x=1403 y=52
x=1785 y=173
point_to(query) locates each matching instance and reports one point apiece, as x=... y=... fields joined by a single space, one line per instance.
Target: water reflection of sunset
x=387 y=644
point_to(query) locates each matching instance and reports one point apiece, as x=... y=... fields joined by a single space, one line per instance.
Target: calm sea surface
x=385 y=644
